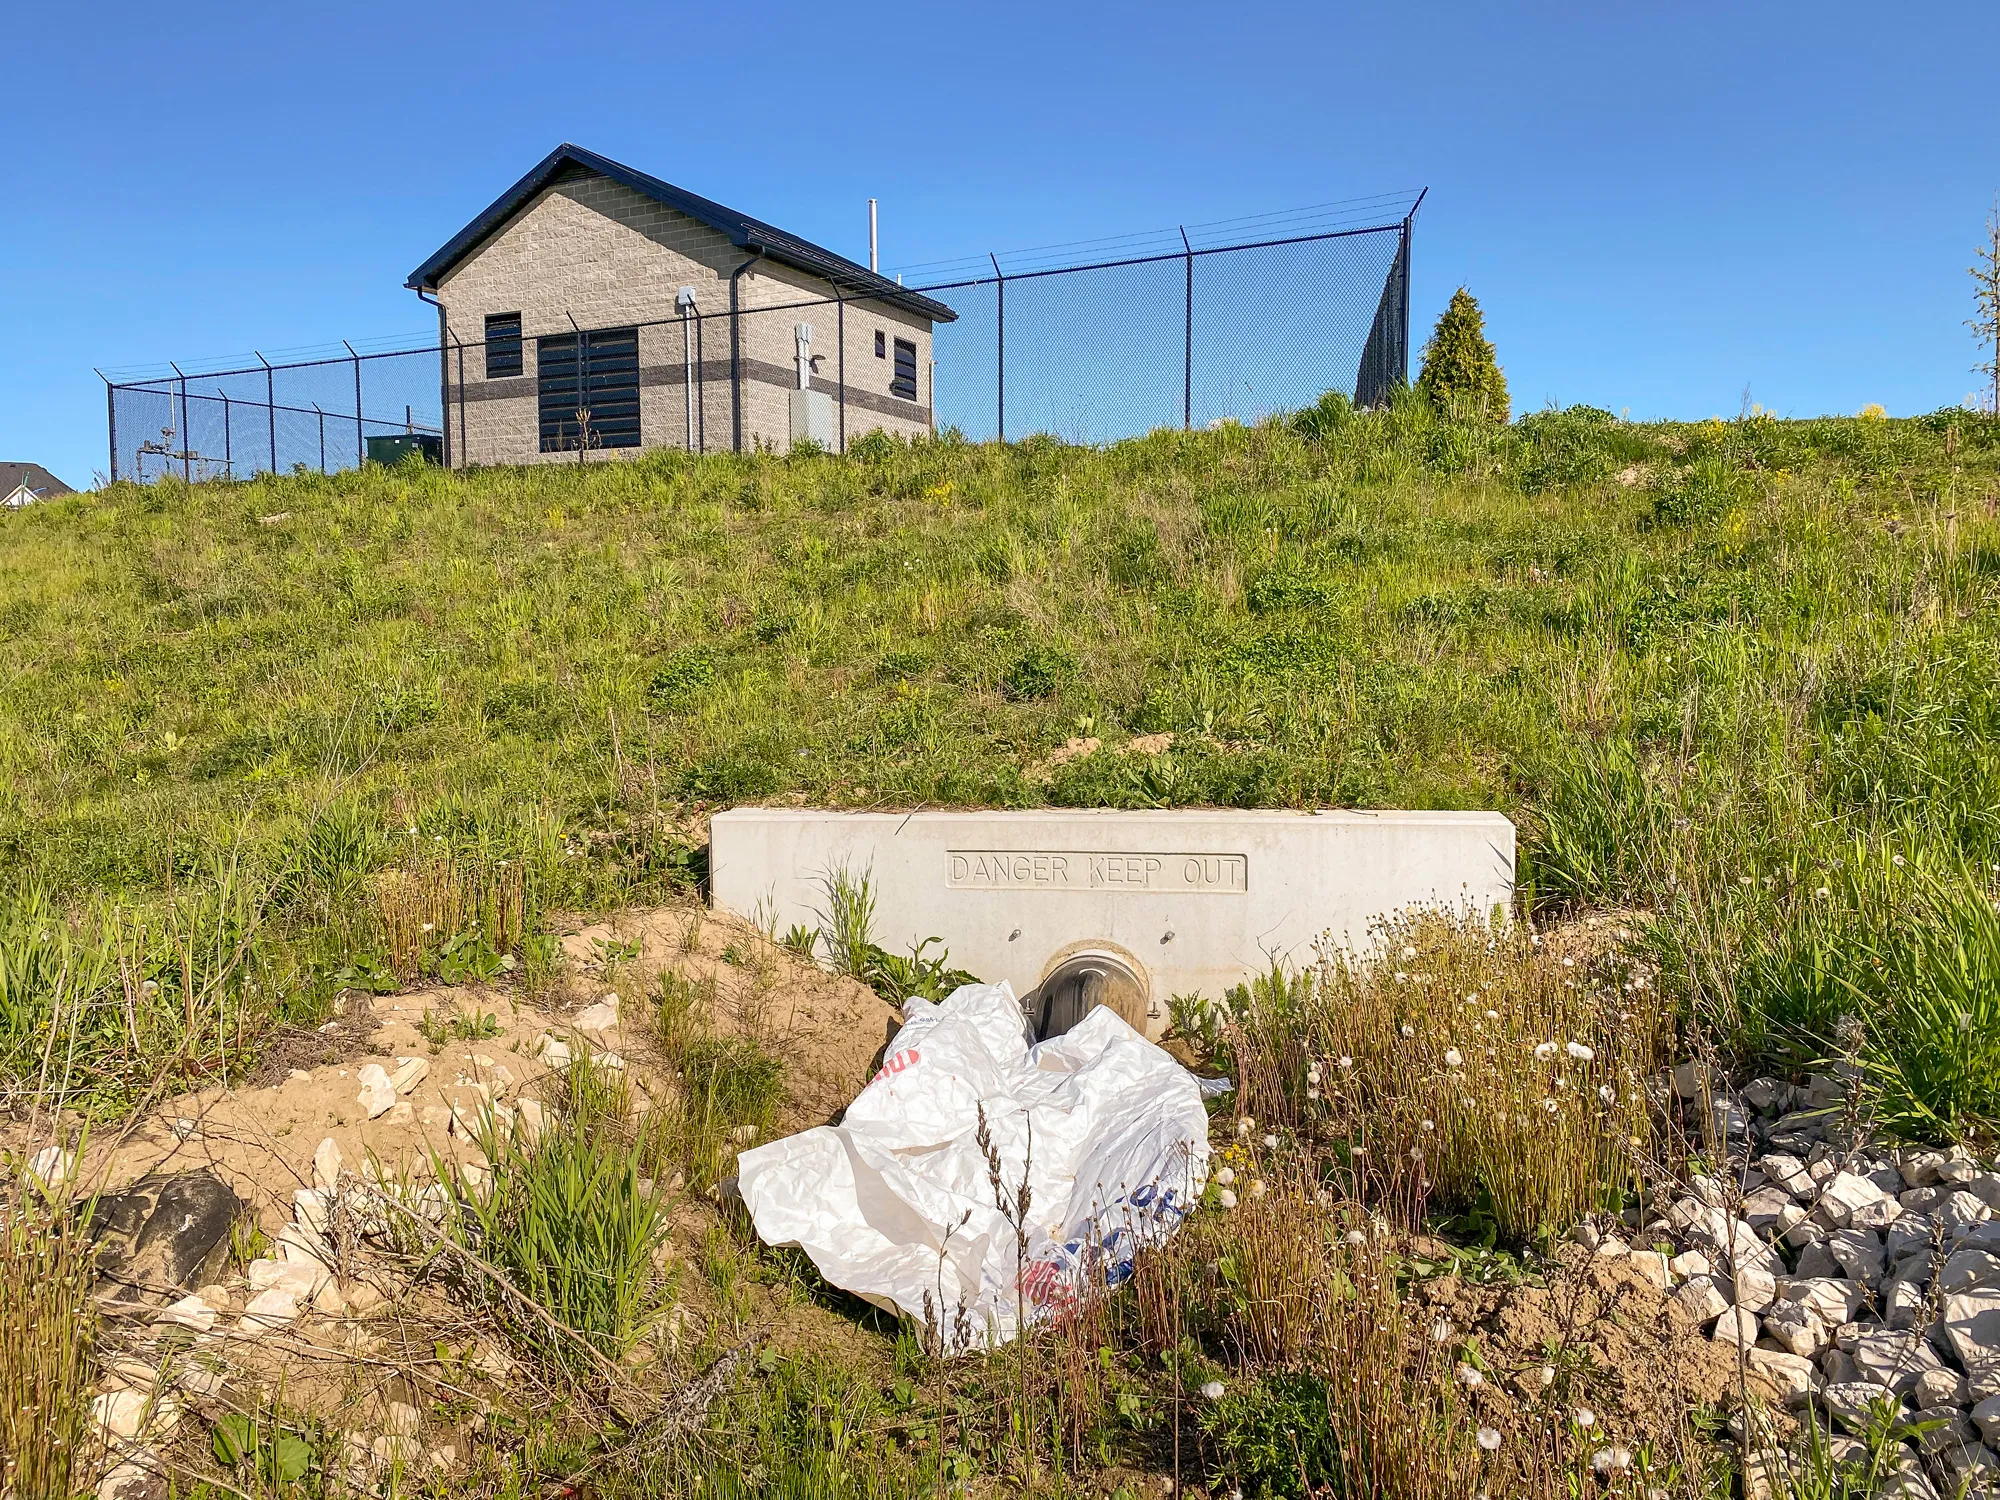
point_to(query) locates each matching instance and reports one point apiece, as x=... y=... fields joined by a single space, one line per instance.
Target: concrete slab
x=1189 y=902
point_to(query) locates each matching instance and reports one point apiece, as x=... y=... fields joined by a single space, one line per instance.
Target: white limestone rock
x=1792 y=1374
x=1700 y=1299
x=1972 y=1327
x=378 y=1095
x=272 y=1308
x=1738 y=1326
x=327 y=1162
x=1970 y=1270
x=410 y=1071
x=1833 y=1299
x=1797 y=1327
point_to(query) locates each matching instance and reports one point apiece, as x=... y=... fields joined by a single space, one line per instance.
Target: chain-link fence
x=1156 y=337
x=230 y=424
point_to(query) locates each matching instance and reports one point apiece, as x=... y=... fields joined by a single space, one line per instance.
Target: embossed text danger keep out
x=1075 y=870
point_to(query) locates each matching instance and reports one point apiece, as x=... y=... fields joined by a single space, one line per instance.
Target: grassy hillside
x=1740 y=674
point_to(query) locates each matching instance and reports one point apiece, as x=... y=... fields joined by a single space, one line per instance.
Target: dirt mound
x=1595 y=1332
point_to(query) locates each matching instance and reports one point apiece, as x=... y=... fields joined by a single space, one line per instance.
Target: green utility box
x=397 y=446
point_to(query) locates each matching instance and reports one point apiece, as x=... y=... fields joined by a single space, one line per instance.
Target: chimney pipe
x=874 y=261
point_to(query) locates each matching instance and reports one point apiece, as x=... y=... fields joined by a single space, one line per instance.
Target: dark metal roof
x=743 y=231
x=40 y=482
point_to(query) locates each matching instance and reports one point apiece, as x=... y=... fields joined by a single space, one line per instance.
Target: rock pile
x=1863 y=1280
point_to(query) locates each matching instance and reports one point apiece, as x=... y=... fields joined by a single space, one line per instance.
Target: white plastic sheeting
x=896 y=1201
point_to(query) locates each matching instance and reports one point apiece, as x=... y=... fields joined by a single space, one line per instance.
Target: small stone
x=1767 y=1095
x=1762 y=1208
x=1963 y=1208
x=597 y=1020
x=410 y=1071
x=269 y=1309
x=1736 y=1326
x=1970 y=1270
x=1920 y=1169
x=1982 y=1380
x=1833 y=1300
x=190 y=1312
x=1972 y=1327
x=1986 y=1417
x=1652 y=1266
x=1789 y=1174
x=1689 y=1263
x=1797 y=1327
x=1792 y=1374
x=1939 y=1387
x=327 y=1162
x=394 y=1448
x=401 y=1419
x=1859 y=1253
x=1902 y=1305
x=1817 y=1260
x=1700 y=1299
x=1890 y=1358
x=1847 y=1193
x=1853 y=1403
x=121 y=1415
x=298 y=1075
x=1756 y=1286
x=1986 y=1187
x=133 y=1477
x=377 y=1095
x=531 y=1119
x=553 y=1051
x=51 y=1166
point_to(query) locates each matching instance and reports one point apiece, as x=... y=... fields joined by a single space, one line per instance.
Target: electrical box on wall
x=814 y=419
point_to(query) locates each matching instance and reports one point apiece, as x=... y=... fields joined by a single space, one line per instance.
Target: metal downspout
x=444 y=375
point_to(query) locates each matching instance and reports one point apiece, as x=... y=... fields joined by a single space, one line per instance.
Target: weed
x=48 y=1341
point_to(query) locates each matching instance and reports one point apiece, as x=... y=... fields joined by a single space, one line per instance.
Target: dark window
x=588 y=386
x=503 y=344
x=905 y=383
x=881 y=344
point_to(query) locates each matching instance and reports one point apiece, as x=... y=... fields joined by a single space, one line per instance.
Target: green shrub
x=1459 y=364
x=1038 y=672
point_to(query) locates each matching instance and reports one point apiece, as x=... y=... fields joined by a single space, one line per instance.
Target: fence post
x=1187 y=358
x=1000 y=341
x=228 y=443
x=1403 y=254
x=322 y=438
x=462 y=460
x=360 y=448
x=840 y=333
x=110 y=421
x=270 y=407
x=187 y=453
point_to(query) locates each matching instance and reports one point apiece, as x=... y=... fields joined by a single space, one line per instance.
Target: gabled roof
x=743 y=231
x=37 y=480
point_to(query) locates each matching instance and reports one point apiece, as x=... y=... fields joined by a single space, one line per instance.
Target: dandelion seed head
x=1226 y=1198
x=1453 y=1058
x=1225 y=1177
x=1545 y=1050
x=1408 y=952
x=1489 y=1439
x=1212 y=1390
x=1470 y=1378
x=1585 y=1417
x=1578 y=1051
x=1270 y=1143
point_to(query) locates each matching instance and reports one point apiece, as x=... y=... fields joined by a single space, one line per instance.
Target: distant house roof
x=743 y=231
x=39 y=483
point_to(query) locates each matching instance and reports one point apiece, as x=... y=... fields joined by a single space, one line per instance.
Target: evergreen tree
x=1459 y=363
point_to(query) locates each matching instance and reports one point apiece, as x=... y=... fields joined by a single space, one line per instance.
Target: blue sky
x=1660 y=206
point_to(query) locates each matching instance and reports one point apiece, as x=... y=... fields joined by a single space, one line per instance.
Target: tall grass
x=570 y=1218
x=1507 y=1076
x=48 y=1340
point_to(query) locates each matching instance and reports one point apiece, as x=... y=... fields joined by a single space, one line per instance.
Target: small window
x=588 y=389
x=905 y=383
x=881 y=344
x=503 y=345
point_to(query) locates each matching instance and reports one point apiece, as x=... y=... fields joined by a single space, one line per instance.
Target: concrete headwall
x=1193 y=901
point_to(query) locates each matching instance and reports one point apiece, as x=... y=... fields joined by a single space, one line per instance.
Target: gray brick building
x=593 y=311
